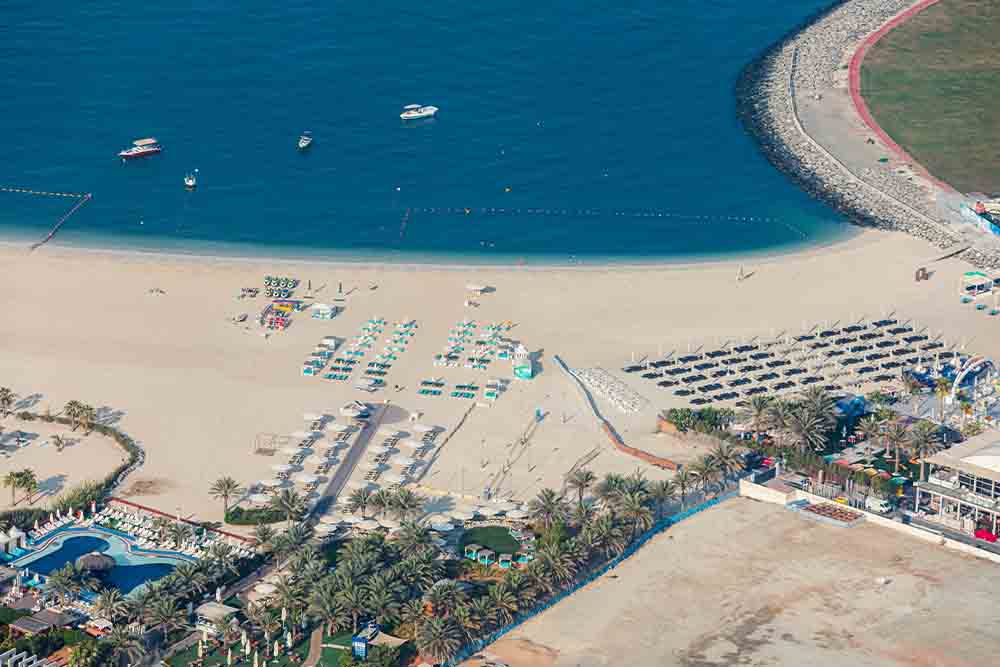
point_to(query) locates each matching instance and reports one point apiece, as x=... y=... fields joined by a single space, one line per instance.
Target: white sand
x=195 y=390
x=747 y=583
x=83 y=458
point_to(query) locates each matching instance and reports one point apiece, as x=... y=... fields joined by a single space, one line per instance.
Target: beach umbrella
x=412 y=444
x=394 y=478
x=312 y=417
x=388 y=431
x=517 y=514
x=338 y=427
x=315 y=460
x=259 y=498
x=291 y=450
x=288 y=640
x=461 y=514
x=284 y=615
x=281 y=467
x=306 y=478
x=218 y=593
x=327 y=445
x=367 y=524
x=325 y=529
x=351 y=519
x=201 y=648
x=403 y=460
x=301 y=435
x=378 y=449
x=422 y=428
x=229 y=657
x=443 y=527
x=255 y=662
x=488 y=510
x=277 y=647
x=271 y=483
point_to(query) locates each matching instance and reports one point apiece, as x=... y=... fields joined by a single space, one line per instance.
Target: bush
x=26 y=416
x=239 y=516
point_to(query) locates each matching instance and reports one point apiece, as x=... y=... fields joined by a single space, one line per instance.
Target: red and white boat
x=141 y=148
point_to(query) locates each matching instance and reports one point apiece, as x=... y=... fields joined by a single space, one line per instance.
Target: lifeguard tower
x=524 y=368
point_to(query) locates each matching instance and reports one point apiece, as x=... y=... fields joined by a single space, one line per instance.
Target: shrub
x=240 y=516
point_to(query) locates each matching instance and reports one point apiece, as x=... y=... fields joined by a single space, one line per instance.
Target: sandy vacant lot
x=753 y=584
x=84 y=457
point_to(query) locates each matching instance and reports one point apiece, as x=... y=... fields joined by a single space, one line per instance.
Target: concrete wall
x=757 y=492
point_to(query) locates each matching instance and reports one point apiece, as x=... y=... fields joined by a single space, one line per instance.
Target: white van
x=877 y=505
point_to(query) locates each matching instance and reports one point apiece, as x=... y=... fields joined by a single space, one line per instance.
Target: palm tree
x=583 y=513
x=382 y=600
x=439 y=639
x=895 y=437
x=705 y=472
x=270 y=625
x=359 y=500
x=380 y=501
x=63 y=583
x=870 y=428
x=581 y=481
x=289 y=503
x=925 y=440
x=58 y=442
x=225 y=489
x=806 y=430
x=444 y=597
x=29 y=483
x=264 y=534
x=661 y=492
x=87 y=418
x=817 y=402
x=683 y=480
x=85 y=654
x=179 y=533
x=610 y=488
x=779 y=415
x=123 y=643
x=13 y=480
x=7 y=398
x=413 y=611
x=192 y=577
x=758 y=412
x=325 y=607
x=503 y=601
x=111 y=604
x=547 y=509
x=405 y=503
x=634 y=510
x=413 y=538
x=352 y=599
x=727 y=458
x=942 y=387
x=164 y=613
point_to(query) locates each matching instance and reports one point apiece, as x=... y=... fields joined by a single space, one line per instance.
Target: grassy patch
x=242 y=516
x=496 y=538
x=931 y=84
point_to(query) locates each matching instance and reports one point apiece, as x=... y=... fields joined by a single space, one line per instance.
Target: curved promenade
x=794 y=98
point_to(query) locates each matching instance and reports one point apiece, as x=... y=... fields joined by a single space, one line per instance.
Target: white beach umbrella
x=326 y=445
x=282 y=467
x=338 y=427
x=265 y=589
x=487 y=510
x=412 y=444
x=316 y=460
x=367 y=524
x=259 y=498
x=292 y=450
x=303 y=434
x=421 y=428
x=325 y=529
x=312 y=417
x=442 y=527
x=331 y=519
x=378 y=449
x=271 y=483
x=517 y=514
x=306 y=478
x=461 y=514
x=403 y=460
x=393 y=478
x=351 y=519
x=388 y=431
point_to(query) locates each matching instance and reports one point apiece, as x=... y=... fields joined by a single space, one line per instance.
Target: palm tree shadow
x=108 y=416
x=50 y=486
x=28 y=402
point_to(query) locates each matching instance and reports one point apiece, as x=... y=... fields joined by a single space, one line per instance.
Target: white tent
x=442 y=527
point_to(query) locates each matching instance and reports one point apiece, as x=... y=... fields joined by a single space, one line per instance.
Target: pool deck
x=38 y=549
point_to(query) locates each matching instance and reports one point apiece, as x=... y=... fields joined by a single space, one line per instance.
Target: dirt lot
x=748 y=583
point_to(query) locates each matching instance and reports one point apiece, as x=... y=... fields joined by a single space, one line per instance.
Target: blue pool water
x=131 y=572
x=623 y=116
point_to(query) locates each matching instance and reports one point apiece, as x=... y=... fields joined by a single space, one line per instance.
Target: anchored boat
x=191 y=180
x=141 y=148
x=305 y=140
x=415 y=111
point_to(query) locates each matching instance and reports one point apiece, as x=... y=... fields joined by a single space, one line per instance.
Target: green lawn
x=496 y=538
x=218 y=657
x=931 y=84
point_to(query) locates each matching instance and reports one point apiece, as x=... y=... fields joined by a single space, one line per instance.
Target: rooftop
x=979 y=455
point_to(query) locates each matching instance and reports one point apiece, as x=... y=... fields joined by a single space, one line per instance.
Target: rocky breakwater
x=804 y=62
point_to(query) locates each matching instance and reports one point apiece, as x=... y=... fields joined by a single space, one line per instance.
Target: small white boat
x=415 y=111
x=305 y=140
x=191 y=180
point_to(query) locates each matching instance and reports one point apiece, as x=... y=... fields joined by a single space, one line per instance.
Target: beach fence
x=660 y=526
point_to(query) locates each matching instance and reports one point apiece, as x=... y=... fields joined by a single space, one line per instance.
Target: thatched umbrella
x=95 y=562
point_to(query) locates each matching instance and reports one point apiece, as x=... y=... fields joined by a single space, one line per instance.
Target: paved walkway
x=315 y=648
x=346 y=468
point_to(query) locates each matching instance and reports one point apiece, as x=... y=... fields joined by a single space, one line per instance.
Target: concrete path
x=315 y=648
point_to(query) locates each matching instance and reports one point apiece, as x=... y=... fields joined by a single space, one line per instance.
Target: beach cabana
x=210 y=614
x=472 y=551
x=486 y=557
x=506 y=561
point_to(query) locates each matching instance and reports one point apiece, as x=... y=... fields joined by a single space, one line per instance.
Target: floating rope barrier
x=43 y=193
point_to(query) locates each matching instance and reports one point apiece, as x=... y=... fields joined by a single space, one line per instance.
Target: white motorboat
x=305 y=140
x=191 y=180
x=415 y=111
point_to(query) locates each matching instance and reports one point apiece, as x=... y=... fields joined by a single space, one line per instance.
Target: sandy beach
x=746 y=583
x=197 y=391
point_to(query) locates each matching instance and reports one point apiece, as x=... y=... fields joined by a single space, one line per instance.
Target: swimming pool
x=133 y=568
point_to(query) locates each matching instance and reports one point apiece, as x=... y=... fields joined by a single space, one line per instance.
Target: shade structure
x=259 y=498
x=271 y=483
x=437 y=518
x=316 y=460
x=505 y=506
x=388 y=431
x=403 y=460
x=367 y=524
x=292 y=450
x=303 y=434
x=443 y=527
x=325 y=529
x=337 y=427
x=282 y=467
x=422 y=428
x=393 y=478
x=378 y=449
x=352 y=519
x=331 y=519
x=488 y=510
x=312 y=416
x=306 y=478
x=412 y=444
x=517 y=514
x=461 y=514
x=265 y=589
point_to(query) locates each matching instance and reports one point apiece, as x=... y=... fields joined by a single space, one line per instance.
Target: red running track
x=855 y=85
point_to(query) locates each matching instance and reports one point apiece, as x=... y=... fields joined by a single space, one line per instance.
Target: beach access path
x=350 y=462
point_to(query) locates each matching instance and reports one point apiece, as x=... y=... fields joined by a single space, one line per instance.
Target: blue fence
x=660 y=526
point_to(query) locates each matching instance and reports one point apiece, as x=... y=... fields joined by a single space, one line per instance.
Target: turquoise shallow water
x=602 y=133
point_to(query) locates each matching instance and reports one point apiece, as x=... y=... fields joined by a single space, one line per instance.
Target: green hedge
x=239 y=516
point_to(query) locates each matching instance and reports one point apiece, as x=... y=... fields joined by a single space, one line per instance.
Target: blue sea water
x=602 y=131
